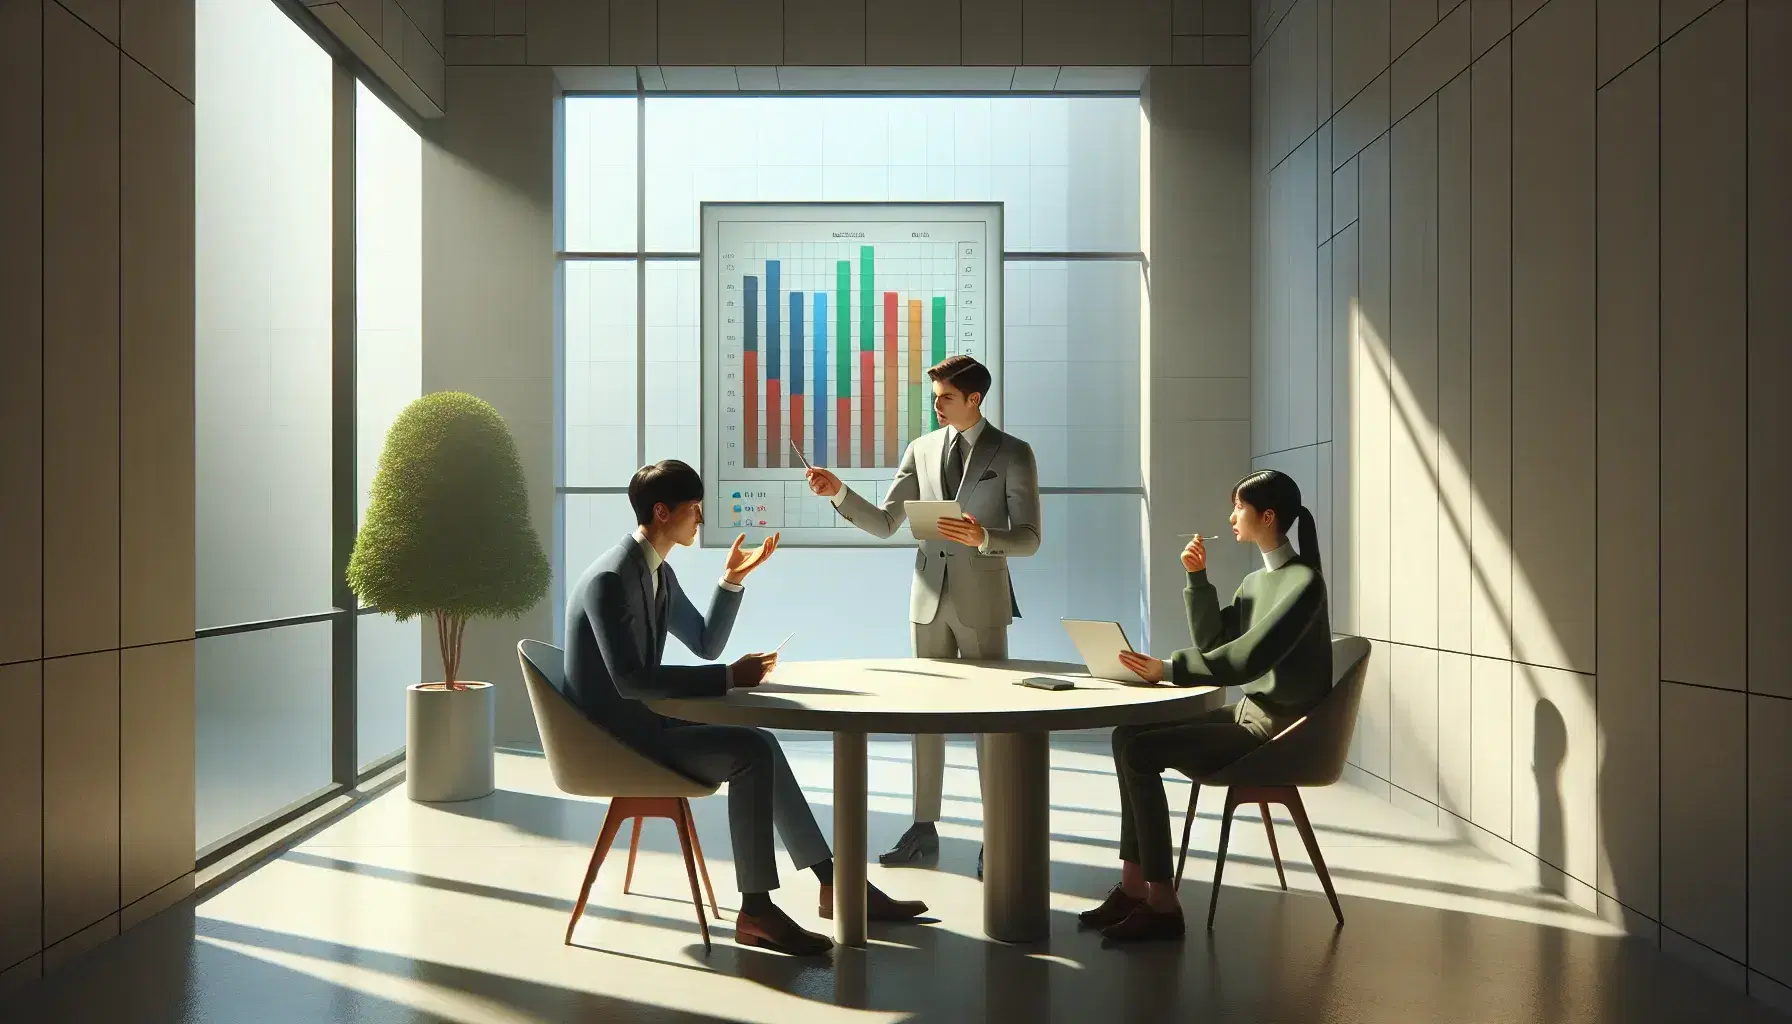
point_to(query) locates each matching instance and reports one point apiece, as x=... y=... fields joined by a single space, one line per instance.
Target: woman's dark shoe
x=777 y=932
x=1145 y=925
x=1112 y=911
x=919 y=845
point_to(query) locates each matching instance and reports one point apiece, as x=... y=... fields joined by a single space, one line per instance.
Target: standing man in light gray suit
x=617 y=619
x=962 y=598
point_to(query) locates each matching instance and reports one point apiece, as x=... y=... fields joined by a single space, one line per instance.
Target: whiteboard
x=819 y=321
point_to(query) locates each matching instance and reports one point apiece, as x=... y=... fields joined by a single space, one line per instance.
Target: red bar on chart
x=749 y=384
x=774 y=436
x=774 y=367
x=867 y=404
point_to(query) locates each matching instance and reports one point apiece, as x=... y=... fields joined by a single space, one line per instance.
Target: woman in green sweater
x=1273 y=640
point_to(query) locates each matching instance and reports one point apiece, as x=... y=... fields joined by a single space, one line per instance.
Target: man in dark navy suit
x=617 y=618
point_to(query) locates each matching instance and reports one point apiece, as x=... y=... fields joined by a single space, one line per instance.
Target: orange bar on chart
x=914 y=370
x=892 y=387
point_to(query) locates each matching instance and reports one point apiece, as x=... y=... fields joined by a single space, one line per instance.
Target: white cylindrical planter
x=450 y=751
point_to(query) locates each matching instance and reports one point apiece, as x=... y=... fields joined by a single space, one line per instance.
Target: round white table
x=852 y=699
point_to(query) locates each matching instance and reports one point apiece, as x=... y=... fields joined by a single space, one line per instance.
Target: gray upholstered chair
x=1311 y=752
x=585 y=760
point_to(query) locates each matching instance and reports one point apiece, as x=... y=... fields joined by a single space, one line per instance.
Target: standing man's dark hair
x=669 y=482
x=964 y=373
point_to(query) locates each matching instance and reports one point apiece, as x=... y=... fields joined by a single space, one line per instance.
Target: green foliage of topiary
x=448 y=531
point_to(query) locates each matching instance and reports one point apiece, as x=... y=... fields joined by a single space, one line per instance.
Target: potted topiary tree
x=448 y=535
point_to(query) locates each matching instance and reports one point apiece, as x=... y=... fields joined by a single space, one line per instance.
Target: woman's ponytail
x=1309 y=539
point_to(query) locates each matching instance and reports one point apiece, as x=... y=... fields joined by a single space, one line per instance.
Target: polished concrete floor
x=401 y=912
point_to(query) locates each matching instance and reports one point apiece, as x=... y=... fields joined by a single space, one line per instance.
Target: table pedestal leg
x=849 y=838
x=1016 y=836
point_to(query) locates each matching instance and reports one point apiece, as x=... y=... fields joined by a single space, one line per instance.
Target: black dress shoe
x=1146 y=925
x=920 y=844
x=878 y=906
x=1112 y=911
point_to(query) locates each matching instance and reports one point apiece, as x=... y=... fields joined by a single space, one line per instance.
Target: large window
x=296 y=689
x=1067 y=170
x=263 y=410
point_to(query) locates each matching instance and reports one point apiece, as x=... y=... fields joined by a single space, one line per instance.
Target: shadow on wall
x=1549 y=750
x=1557 y=818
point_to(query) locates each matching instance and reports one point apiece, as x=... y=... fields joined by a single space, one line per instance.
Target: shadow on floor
x=176 y=968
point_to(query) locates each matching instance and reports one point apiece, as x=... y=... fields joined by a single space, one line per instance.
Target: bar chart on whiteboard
x=820 y=321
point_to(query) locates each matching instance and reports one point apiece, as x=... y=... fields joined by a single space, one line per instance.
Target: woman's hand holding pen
x=1194 y=557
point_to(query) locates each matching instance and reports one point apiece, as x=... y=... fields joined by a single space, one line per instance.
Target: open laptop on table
x=1100 y=644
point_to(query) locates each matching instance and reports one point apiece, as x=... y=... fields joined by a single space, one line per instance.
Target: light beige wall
x=1546 y=241
x=96 y=529
x=488 y=312
x=1195 y=362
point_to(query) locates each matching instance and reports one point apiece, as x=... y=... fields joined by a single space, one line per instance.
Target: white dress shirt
x=953 y=437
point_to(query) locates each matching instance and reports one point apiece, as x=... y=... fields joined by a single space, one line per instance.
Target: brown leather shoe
x=1112 y=911
x=1145 y=925
x=878 y=906
x=777 y=932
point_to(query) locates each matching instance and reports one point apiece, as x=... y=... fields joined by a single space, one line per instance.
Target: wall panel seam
x=118 y=488
x=1747 y=568
x=152 y=73
x=43 y=255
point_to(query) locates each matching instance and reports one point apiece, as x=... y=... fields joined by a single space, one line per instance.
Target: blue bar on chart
x=796 y=370
x=748 y=386
x=774 y=362
x=818 y=452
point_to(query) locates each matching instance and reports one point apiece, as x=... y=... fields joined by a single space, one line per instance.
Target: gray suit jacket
x=616 y=633
x=1000 y=489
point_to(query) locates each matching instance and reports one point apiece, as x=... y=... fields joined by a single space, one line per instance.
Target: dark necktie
x=659 y=613
x=955 y=467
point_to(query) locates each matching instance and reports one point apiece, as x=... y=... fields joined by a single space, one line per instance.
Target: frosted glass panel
x=263 y=302
x=388 y=377
x=853 y=602
x=1089 y=566
x=262 y=737
x=1071 y=369
x=599 y=375
x=594 y=523
x=1067 y=167
x=388 y=658
x=388 y=278
x=599 y=208
x=674 y=363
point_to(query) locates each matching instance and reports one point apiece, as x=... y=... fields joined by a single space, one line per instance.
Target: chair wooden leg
x=702 y=867
x=1273 y=851
x=612 y=822
x=690 y=870
x=1299 y=812
x=1188 y=823
x=1219 y=863
x=634 y=846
